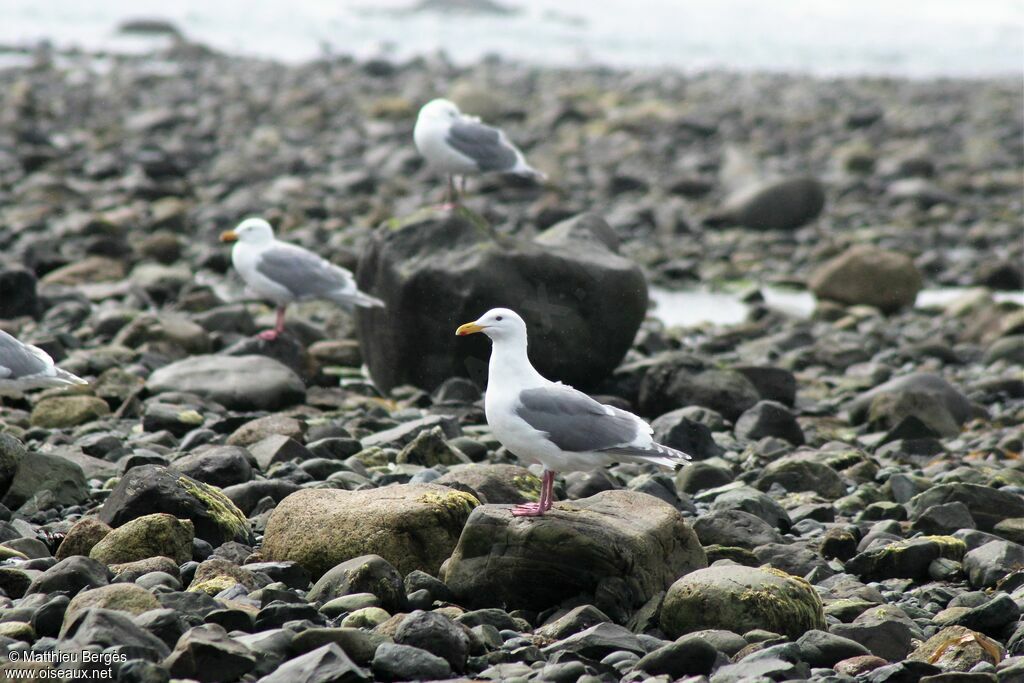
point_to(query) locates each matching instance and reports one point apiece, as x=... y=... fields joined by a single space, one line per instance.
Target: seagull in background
x=23 y=366
x=459 y=145
x=284 y=273
x=551 y=423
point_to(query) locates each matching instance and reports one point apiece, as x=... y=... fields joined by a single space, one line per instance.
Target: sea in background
x=902 y=38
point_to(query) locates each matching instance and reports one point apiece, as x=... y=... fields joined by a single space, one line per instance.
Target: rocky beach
x=331 y=505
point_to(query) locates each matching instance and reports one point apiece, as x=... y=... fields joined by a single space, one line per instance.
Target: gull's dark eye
x=498 y=318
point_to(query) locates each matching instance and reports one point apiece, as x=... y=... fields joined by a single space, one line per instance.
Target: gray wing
x=20 y=360
x=303 y=273
x=575 y=422
x=484 y=145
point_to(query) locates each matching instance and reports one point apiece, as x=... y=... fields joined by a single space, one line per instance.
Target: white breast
x=429 y=137
x=244 y=258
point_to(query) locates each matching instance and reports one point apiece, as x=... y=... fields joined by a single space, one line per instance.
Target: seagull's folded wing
x=575 y=422
x=486 y=146
x=18 y=359
x=301 y=272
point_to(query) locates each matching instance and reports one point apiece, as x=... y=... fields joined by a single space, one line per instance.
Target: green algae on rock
x=907 y=559
x=122 y=597
x=147 y=536
x=741 y=599
x=81 y=538
x=956 y=648
x=154 y=488
x=62 y=412
x=412 y=526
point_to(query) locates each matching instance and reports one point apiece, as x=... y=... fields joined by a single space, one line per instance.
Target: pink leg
x=451 y=196
x=547 y=498
x=271 y=335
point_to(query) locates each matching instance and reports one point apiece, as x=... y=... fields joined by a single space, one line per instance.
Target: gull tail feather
x=68 y=378
x=655 y=452
x=361 y=299
x=527 y=171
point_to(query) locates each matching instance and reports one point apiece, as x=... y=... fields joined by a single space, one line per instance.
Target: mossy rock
x=430 y=448
x=956 y=648
x=494 y=484
x=62 y=412
x=213 y=571
x=907 y=559
x=123 y=597
x=412 y=526
x=18 y=630
x=741 y=599
x=154 y=488
x=148 y=536
x=7 y=553
x=367 y=617
x=131 y=571
x=82 y=537
x=213 y=585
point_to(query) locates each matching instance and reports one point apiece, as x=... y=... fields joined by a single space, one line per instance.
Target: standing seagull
x=23 y=366
x=284 y=273
x=457 y=145
x=551 y=423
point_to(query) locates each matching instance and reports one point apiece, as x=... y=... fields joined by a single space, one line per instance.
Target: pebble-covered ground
x=219 y=508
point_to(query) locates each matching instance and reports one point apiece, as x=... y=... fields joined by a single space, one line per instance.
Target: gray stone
x=366 y=574
x=236 y=382
x=824 y=649
x=326 y=664
x=769 y=418
x=690 y=655
x=783 y=204
x=988 y=506
x=57 y=476
x=734 y=528
x=437 y=634
x=394 y=662
x=926 y=396
x=986 y=565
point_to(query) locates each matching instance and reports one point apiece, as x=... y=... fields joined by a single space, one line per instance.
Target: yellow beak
x=229 y=236
x=469 y=328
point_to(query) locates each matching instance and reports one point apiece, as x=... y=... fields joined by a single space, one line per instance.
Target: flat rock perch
x=622 y=547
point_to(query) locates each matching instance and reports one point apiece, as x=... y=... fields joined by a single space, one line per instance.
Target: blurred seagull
x=457 y=145
x=284 y=273
x=550 y=422
x=23 y=366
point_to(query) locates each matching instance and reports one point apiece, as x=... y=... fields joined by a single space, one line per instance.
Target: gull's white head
x=498 y=323
x=250 y=231
x=439 y=110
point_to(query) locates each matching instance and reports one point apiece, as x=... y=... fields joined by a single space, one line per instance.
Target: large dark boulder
x=582 y=302
x=153 y=488
x=18 y=293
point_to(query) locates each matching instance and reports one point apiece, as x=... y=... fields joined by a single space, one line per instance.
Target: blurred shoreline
x=912 y=39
